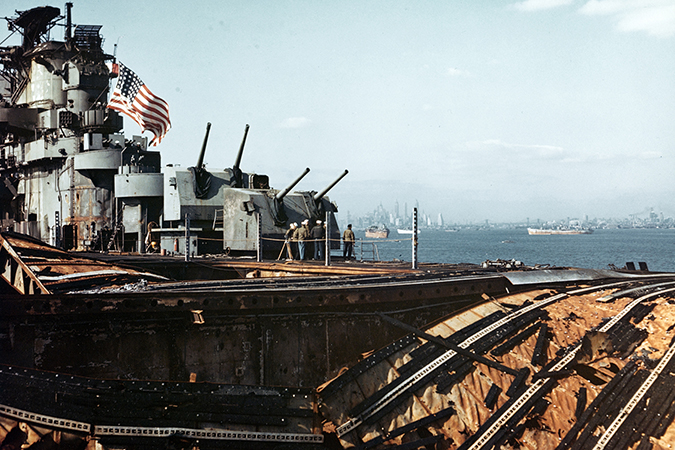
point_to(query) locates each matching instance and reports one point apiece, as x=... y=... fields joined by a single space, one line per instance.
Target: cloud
x=656 y=17
x=539 y=5
x=454 y=72
x=295 y=122
x=542 y=150
x=650 y=155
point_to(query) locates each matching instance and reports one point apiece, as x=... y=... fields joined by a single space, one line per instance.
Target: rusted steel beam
x=33 y=267
x=258 y=297
x=146 y=410
x=450 y=346
x=16 y=273
x=296 y=331
x=312 y=268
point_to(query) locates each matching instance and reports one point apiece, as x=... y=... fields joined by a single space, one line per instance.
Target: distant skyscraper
x=440 y=220
x=396 y=209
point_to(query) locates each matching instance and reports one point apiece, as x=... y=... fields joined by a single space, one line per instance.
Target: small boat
x=380 y=232
x=549 y=231
x=406 y=231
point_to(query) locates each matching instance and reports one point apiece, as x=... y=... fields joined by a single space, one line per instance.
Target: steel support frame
x=16 y=273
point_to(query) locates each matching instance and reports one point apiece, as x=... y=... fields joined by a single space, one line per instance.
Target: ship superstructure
x=62 y=151
x=69 y=177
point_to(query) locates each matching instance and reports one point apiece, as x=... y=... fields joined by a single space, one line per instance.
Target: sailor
x=288 y=236
x=348 y=242
x=302 y=234
x=318 y=234
x=150 y=243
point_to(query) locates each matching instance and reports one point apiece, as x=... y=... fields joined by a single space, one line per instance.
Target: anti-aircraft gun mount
x=198 y=193
x=319 y=197
x=275 y=210
x=278 y=206
x=223 y=206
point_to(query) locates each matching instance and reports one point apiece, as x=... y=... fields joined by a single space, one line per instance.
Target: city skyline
x=381 y=215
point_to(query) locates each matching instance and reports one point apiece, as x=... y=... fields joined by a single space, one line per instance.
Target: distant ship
x=380 y=232
x=548 y=231
x=406 y=231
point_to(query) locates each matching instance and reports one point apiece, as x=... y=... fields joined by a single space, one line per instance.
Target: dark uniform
x=318 y=233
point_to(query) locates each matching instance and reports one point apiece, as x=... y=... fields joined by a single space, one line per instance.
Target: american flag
x=133 y=98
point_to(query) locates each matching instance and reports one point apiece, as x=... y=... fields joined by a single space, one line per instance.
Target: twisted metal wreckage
x=465 y=357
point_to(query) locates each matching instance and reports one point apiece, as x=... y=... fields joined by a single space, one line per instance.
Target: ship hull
x=547 y=232
x=403 y=231
x=377 y=234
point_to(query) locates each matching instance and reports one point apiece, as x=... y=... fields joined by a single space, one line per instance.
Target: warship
x=106 y=351
x=69 y=177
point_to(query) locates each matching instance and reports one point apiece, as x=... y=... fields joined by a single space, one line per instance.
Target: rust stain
x=569 y=321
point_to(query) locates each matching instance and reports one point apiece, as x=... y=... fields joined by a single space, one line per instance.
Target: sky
x=481 y=110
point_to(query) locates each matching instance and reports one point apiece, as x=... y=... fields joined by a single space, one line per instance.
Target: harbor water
x=598 y=250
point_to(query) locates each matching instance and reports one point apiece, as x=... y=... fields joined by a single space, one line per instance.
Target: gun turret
x=237 y=182
x=320 y=195
x=280 y=196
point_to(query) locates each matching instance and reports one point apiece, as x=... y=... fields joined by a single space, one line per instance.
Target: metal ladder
x=216 y=221
x=116 y=229
x=368 y=249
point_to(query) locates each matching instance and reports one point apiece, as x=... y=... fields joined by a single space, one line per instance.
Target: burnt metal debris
x=529 y=369
x=616 y=356
x=124 y=412
x=31 y=267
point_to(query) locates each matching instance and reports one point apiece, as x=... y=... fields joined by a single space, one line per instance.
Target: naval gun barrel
x=320 y=195
x=200 y=161
x=237 y=162
x=69 y=21
x=280 y=196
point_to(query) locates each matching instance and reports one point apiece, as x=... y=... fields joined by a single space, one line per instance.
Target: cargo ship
x=550 y=231
x=380 y=232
